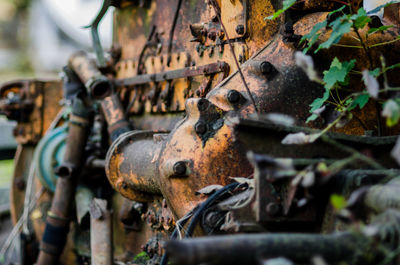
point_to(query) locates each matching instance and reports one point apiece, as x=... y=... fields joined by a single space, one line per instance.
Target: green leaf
x=286 y=5
x=338 y=202
x=359 y=101
x=340 y=26
x=376 y=72
x=338 y=72
x=319 y=102
x=313 y=117
x=313 y=36
x=380 y=29
x=360 y=19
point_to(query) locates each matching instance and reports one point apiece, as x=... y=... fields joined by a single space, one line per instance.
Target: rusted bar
x=96 y=83
x=101 y=233
x=58 y=218
x=250 y=248
x=115 y=116
x=212 y=68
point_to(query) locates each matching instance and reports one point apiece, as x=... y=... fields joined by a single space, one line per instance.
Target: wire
x=215 y=6
x=197 y=212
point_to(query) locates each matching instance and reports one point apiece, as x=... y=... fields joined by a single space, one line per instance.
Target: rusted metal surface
x=25 y=102
x=101 y=233
x=58 y=218
x=96 y=83
x=250 y=249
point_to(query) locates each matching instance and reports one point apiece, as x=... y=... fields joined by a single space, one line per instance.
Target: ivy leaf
x=391 y=111
x=371 y=84
x=313 y=36
x=338 y=202
x=319 y=102
x=359 y=101
x=360 y=19
x=340 y=26
x=337 y=72
x=286 y=5
x=376 y=72
x=380 y=29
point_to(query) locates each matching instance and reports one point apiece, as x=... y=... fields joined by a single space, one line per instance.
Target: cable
x=197 y=214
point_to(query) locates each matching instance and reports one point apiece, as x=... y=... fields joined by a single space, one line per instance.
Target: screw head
x=179 y=168
x=233 y=96
x=266 y=68
x=200 y=127
x=273 y=209
x=240 y=29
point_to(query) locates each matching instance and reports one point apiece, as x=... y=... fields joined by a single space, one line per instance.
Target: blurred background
x=36 y=39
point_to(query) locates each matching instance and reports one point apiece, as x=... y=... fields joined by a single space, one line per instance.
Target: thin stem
x=384 y=43
x=348 y=46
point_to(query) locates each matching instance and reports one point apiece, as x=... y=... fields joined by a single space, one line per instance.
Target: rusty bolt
x=200 y=127
x=266 y=68
x=273 y=209
x=180 y=168
x=240 y=29
x=233 y=96
x=202 y=105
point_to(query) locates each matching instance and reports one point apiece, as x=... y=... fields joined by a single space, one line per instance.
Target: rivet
x=202 y=105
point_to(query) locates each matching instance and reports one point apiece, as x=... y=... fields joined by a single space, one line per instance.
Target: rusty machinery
x=167 y=136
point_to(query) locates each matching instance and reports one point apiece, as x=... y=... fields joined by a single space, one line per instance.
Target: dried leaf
x=308 y=179
x=300 y=138
x=396 y=151
x=247 y=181
x=209 y=189
x=306 y=63
x=391 y=111
x=280 y=119
x=371 y=84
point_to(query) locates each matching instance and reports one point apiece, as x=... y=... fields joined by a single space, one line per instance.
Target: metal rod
x=174 y=74
x=250 y=248
x=101 y=233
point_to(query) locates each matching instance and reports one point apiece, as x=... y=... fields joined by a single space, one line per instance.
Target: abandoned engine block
x=215 y=132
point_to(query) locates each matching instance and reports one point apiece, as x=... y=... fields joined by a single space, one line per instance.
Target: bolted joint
x=179 y=168
x=234 y=96
x=239 y=29
x=267 y=68
x=273 y=209
x=203 y=104
x=200 y=127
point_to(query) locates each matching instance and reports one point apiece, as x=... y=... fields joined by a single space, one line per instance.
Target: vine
x=342 y=21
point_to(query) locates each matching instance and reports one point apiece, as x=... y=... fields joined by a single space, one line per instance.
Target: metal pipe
x=58 y=218
x=97 y=84
x=250 y=248
x=101 y=233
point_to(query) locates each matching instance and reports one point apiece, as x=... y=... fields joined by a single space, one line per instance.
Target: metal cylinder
x=115 y=116
x=101 y=233
x=58 y=218
x=96 y=83
x=250 y=249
